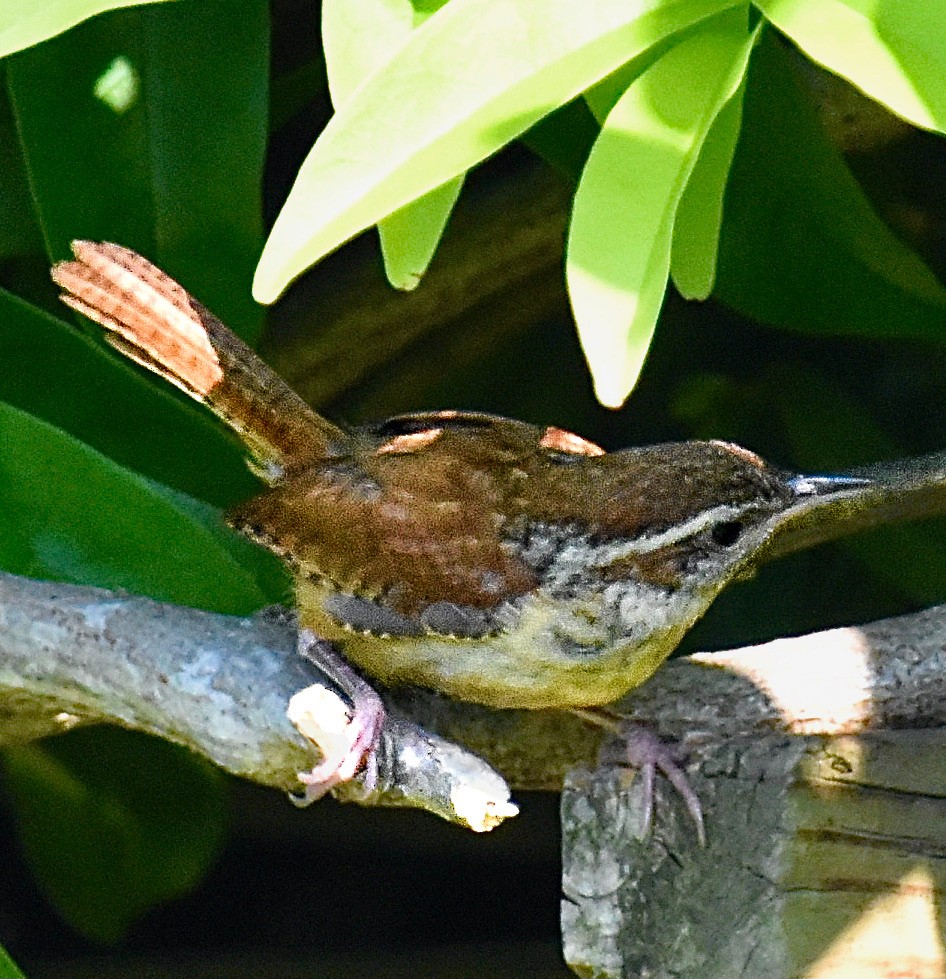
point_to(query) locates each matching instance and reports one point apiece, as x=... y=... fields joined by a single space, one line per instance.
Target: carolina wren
x=496 y=561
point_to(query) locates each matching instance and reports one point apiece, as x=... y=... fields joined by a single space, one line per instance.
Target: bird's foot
x=345 y=729
x=639 y=747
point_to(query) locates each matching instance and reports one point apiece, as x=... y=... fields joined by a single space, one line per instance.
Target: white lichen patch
x=97 y=614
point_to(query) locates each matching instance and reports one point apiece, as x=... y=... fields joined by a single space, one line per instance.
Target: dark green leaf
x=147 y=126
x=71 y=514
x=801 y=247
x=19 y=233
x=564 y=138
x=909 y=559
x=114 y=823
x=53 y=371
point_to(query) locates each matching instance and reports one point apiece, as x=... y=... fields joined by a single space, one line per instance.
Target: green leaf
x=473 y=77
x=51 y=370
x=801 y=246
x=19 y=234
x=70 y=514
x=359 y=36
x=603 y=96
x=564 y=138
x=894 y=52
x=410 y=236
x=699 y=219
x=114 y=823
x=136 y=128
x=175 y=169
x=26 y=22
x=8 y=967
x=619 y=241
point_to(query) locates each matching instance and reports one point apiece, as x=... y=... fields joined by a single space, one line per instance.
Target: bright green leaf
x=114 y=823
x=603 y=96
x=894 y=51
x=473 y=77
x=70 y=514
x=358 y=37
x=622 y=221
x=410 y=236
x=27 y=22
x=699 y=219
x=8 y=967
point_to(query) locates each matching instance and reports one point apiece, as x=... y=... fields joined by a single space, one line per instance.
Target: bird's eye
x=726 y=534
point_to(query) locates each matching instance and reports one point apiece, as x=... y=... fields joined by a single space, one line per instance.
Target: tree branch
x=221 y=684
x=217 y=684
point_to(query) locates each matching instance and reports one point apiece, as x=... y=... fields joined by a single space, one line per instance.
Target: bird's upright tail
x=153 y=320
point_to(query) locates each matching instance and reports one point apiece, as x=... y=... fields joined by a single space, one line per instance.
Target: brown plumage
x=503 y=562
x=157 y=323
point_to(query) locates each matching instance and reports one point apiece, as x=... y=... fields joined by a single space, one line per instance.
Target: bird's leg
x=346 y=734
x=638 y=747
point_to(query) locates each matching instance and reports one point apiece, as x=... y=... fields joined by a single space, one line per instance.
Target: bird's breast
x=542 y=650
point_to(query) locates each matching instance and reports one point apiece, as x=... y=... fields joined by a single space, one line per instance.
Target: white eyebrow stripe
x=689 y=528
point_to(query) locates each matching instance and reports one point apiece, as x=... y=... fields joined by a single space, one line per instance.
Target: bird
x=499 y=562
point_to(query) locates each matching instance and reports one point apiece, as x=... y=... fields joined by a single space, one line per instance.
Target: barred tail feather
x=155 y=322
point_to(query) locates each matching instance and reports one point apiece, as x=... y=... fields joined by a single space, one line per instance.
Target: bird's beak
x=807 y=486
x=827 y=507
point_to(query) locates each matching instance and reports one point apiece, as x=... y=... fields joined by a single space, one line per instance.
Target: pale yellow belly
x=567 y=660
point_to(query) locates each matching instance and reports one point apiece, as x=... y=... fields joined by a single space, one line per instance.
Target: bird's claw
x=346 y=733
x=640 y=748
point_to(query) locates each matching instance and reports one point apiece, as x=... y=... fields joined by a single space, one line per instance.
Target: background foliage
x=687 y=140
